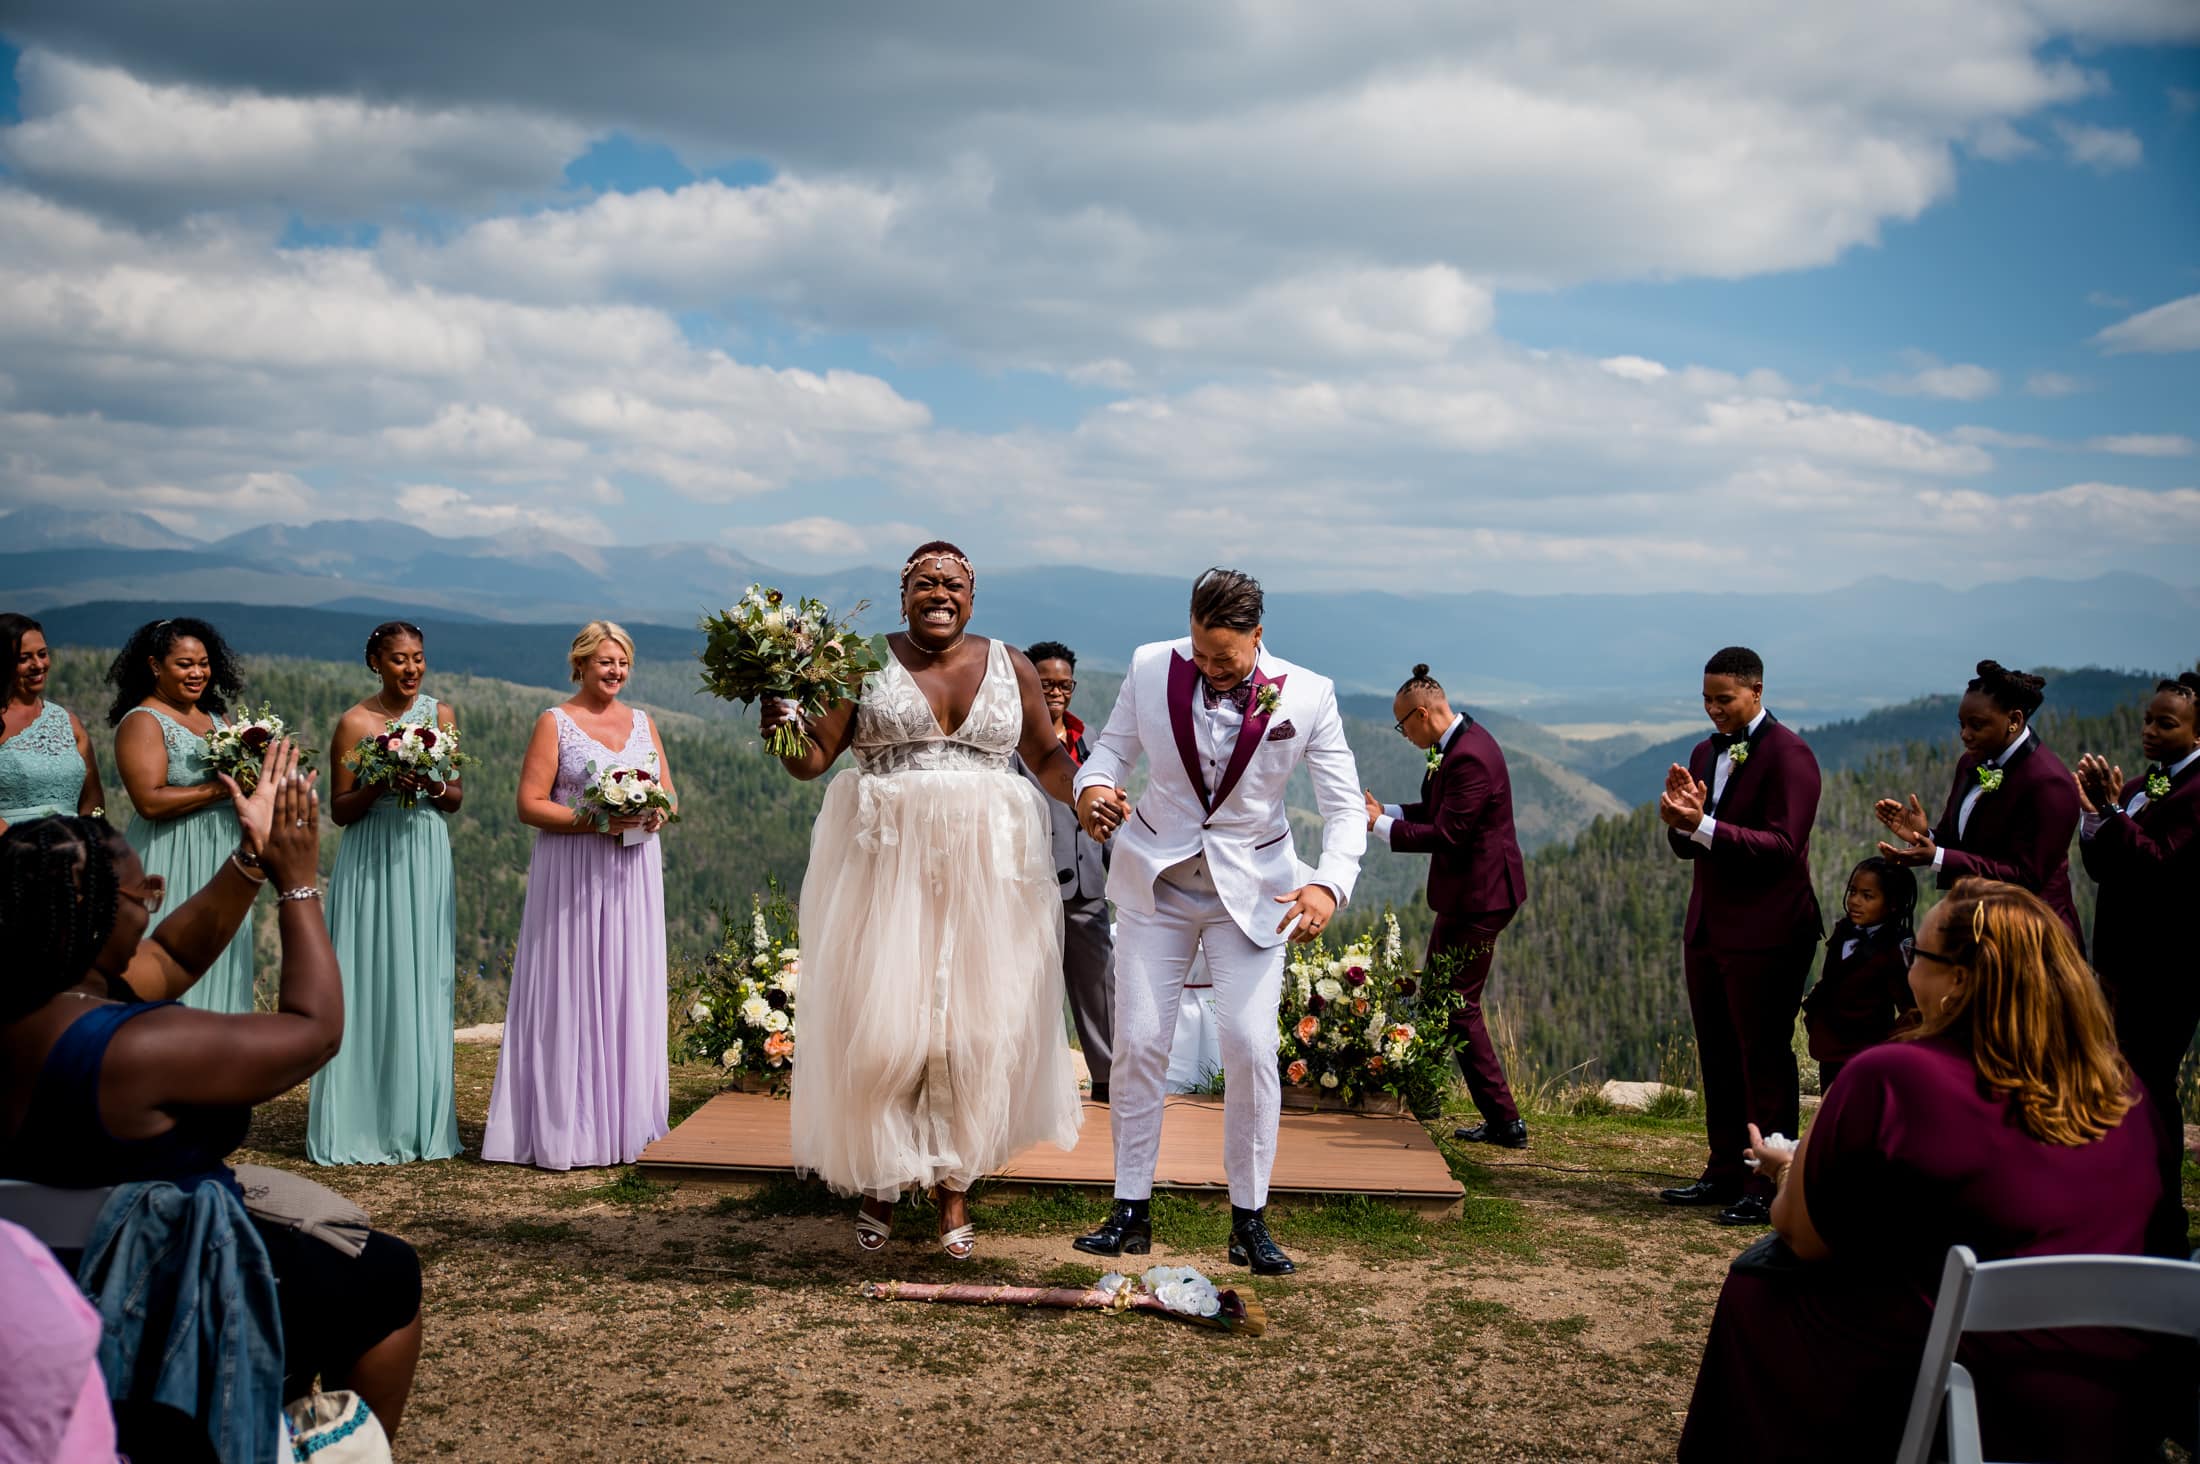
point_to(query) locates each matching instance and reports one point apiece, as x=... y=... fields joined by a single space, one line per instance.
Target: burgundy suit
x=1751 y=932
x=1859 y=999
x=2148 y=868
x=1476 y=880
x=2020 y=832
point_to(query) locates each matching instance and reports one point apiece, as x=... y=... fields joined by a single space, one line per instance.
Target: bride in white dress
x=933 y=1046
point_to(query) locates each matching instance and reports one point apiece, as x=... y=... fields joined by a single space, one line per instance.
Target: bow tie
x=2158 y=770
x=1241 y=694
x=1724 y=740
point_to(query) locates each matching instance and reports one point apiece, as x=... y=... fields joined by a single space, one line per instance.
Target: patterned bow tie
x=1241 y=694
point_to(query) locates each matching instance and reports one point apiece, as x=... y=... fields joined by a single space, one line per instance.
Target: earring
x=1945 y=1002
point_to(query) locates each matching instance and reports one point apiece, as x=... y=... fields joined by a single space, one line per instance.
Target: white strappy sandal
x=961 y=1243
x=872 y=1233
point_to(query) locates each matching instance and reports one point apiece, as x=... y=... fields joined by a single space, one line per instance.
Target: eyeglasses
x=1062 y=686
x=1400 y=724
x=1911 y=951
x=151 y=895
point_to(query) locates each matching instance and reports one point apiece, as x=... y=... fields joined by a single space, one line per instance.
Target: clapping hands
x=1908 y=823
x=1681 y=805
x=2099 y=783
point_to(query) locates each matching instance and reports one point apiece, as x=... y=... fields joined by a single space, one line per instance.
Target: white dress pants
x=1153 y=954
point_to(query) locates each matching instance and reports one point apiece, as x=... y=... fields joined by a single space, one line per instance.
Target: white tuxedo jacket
x=1241 y=827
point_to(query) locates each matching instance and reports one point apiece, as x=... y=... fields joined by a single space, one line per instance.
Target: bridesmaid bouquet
x=238 y=748
x=622 y=792
x=409 y=750
x=763 y=646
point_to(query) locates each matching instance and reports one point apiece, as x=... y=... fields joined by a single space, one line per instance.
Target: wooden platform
x=739 y=1138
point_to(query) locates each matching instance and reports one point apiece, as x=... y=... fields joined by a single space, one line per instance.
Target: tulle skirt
x=931 y=1046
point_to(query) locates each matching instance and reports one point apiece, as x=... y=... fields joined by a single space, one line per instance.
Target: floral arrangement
x=762 y=646
x=624 y=792
x=1176 y=1292
x=741 y=1013
x=408 y=750
x=238 y=747
x=1364 y=1022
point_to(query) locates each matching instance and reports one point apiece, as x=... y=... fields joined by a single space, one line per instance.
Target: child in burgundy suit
x=1742 y=811
x=1863 y=993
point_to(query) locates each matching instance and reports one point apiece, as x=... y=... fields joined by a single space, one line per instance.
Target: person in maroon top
x=2004 y=1123
x=1863 y=990
x=2012 y=808
x=1742 y=811
x=2140 y=840
x=1476 y=880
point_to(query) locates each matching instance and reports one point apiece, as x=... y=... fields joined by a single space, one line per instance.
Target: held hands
x=1908 y=823
x=1680 y=806
x=2099 y=783
x=1102 y=811
x=1311 y=906
x=1374 y=809
x=256 y=814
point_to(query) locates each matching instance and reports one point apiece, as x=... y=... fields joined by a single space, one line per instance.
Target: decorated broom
x=1176 y=1292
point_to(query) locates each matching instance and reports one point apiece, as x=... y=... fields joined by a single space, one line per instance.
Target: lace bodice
x=896 y=730
x=186 y=749
x=41 y=771
x=576 y=750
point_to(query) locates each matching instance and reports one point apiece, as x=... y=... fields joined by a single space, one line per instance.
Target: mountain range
x=1557 y=658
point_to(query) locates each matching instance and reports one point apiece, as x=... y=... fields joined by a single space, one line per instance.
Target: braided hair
x=58 y=903
x=1898 y=887
x=2012 y=691
x=132 y=674
x=13 y=628
x=390 y=630
x=2185 y=684
x=1421 y=682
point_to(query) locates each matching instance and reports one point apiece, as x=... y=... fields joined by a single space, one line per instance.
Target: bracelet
x=303 y=892
x=248 y=867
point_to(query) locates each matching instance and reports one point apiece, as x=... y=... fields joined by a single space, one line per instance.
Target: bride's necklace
x=917 y=645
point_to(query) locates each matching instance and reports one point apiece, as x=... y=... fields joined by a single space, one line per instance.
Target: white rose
x=731 y=1057
x=1329 y=1080
x=1330 y=989
x=755 y=1011
x=775 y=1021
x=790 y=955
x=700 y=1012
x=787 y=980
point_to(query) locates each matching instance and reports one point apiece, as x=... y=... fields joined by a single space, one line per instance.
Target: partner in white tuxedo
x=1206 y=860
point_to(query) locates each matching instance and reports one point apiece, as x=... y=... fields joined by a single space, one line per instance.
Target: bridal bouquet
x=1363 y=1022
x=741 y=1018
x=415 y=750
x=237 y=747
x=624 y=792
x=765 y=646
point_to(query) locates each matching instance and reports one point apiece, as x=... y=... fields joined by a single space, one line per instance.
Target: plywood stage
x=740 y=1138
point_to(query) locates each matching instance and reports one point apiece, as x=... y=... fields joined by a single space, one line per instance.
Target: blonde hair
x=2039 y=1027
x=592 y=635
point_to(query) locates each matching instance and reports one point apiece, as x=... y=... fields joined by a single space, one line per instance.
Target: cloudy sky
x=1604 y=295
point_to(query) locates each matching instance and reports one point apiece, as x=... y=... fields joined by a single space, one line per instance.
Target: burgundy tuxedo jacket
x=2148 y=868
x=1464 y=822
x=1859 y=999
x=1752 y=890
x=2019 y=833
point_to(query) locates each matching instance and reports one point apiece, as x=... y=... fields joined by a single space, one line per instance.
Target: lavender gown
x=583 y=1077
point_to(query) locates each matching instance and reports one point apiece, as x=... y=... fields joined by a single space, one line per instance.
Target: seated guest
x=1463 y=820
x=99 y=1086
x=1081 y=868
x=2141 y=843
x=2005 y=1123
x=1863 y=990
x=2012 y=809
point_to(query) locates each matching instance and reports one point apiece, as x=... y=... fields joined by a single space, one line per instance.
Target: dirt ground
x=596 y=1315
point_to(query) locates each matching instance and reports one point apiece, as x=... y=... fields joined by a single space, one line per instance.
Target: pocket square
x=1283 y=731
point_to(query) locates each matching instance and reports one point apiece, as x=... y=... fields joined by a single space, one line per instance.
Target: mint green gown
x=388 y=1096
x=188 y=851
x=41 y=772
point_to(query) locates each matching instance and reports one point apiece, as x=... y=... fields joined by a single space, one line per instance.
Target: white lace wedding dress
x=931 y=1046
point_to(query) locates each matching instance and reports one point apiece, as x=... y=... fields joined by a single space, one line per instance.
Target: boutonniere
x=1738 y=753
x=1989 y=780
x=1435 y=758
x=2157 y=785
x=1266 y=700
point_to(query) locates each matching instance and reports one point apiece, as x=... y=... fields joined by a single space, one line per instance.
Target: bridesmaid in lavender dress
x=583 y=1078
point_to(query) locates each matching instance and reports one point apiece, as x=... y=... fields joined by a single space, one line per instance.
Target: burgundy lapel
x=1250 y=733
x=1183 y=679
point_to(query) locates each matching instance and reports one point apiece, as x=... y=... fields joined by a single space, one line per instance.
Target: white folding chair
x=62 y=1218
x=2141 y=1293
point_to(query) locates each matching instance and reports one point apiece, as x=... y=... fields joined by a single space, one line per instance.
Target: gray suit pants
x=1088 y=971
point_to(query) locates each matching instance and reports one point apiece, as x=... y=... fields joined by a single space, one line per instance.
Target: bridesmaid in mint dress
x=46 y=762
x=387 y=1097
x=172 y=683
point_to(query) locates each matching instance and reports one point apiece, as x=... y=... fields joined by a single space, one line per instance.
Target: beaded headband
x=937 y=556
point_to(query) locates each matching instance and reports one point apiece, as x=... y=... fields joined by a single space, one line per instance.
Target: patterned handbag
x=336 y=1428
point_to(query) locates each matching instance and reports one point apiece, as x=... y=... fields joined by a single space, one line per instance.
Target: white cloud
x=2103 y=149
x=2164 y=329
x=2158 y=444
x=1999 y=142
x=445 y=510
x=2052 y=384
x=1928 y=377
x=822 y=539
x=99 y=135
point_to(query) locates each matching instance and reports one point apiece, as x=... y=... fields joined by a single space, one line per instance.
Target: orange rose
x=1297 y=1071
x=1359 y=1006
x=778 y=1047
x=1374 y=1064
x=1308 y=1026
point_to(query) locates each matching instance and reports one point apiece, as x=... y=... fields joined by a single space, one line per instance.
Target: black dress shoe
x=1100 y=1092
x=1702 y=1192
x=1512 y=1135
x=1128 y=1231
x=1748 y=1210
x=1252 y=1247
